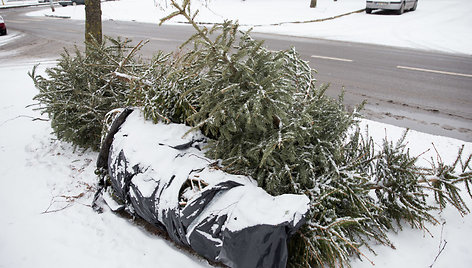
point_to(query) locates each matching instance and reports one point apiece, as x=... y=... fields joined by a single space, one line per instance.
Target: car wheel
x=414 y=6
x=368 y=10
x=402 y=9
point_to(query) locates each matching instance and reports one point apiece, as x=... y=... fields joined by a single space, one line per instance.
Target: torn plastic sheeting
x=162 y=175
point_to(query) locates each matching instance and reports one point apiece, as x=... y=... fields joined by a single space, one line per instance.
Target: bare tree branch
x=442 y=245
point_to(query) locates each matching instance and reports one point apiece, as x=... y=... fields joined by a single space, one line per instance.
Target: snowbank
x=17 y=3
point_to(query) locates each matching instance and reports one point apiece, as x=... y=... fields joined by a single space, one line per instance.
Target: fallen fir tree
x=267 y=118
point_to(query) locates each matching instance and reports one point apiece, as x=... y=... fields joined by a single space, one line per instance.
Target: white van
x=399 y=6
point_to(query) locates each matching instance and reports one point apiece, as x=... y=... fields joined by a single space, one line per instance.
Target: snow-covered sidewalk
x=20 y=3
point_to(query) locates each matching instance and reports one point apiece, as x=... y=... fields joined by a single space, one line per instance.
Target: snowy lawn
x=436 y=24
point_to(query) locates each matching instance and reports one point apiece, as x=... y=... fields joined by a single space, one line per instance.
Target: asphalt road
x=425 y=91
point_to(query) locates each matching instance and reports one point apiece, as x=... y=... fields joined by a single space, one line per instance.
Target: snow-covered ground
x=47 y=186
x=436 y=24
x=18 y=3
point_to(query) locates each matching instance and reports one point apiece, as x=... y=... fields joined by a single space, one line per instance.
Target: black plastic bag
x=162 y=175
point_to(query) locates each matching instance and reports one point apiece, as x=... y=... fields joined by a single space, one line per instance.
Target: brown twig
x=441 y=245
x=70 y=200
x=52 y=202
x=23 y=116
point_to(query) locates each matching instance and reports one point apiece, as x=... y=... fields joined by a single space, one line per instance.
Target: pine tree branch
x=130 y=78
x=181 y=10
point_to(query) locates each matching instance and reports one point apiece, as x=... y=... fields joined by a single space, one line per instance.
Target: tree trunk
x=313 y=3
x=93 y=21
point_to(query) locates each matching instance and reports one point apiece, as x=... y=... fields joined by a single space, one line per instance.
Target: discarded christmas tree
x=266 y=118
